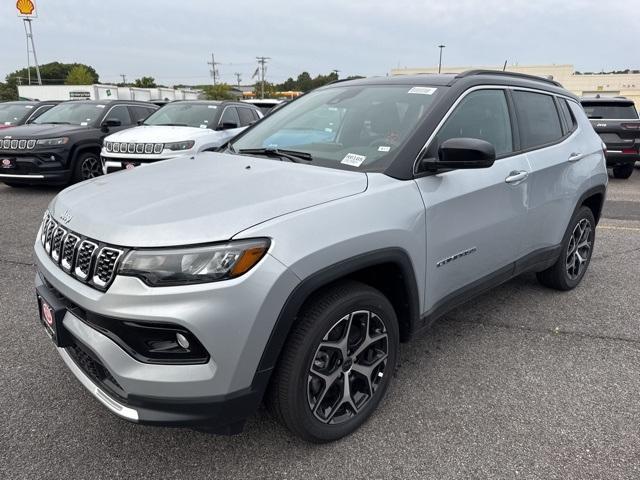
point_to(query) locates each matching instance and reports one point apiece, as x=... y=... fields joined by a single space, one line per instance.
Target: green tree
x=145 y=82
x=51 y=73
x=304 y=81
x=220 y=91
x=7 y=93
x=270 y=90
x=79 y=75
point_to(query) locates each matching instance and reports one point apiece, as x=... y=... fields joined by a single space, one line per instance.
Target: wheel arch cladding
x=594 y=199
x=388 y=270
x=80 y=149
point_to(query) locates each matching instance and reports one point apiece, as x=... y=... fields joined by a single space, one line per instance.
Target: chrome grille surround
x=91 y=262
x=17 y=144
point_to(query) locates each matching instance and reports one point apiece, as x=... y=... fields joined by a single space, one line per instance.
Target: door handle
x=574 y=157
x=516 y=176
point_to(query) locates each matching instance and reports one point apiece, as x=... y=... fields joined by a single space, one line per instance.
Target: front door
x=474 y=218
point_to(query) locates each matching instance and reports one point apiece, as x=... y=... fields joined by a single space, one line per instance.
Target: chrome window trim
x=436 y=130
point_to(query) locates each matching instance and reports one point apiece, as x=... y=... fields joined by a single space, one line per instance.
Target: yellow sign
x=26 y=8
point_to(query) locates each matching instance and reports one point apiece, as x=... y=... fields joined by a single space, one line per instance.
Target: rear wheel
x=87 y=166
x=575 y=256
x=623 y=171
x=337 y=363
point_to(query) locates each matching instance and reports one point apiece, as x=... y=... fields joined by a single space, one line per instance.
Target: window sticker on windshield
x=212 y=106
x=423 y=90
x=28 y=106
x=99 y=106
x=83 y=124
x=204 y=125
x=353 y=159
x=7 y=123
x=383 y=148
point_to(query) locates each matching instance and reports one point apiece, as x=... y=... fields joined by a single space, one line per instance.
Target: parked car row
x=61 y=143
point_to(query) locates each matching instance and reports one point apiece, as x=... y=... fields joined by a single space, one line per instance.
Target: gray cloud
x=172 y=40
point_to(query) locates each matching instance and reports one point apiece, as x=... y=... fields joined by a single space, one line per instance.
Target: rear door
x=229 y=117
x=548 y=133
x=474 y=218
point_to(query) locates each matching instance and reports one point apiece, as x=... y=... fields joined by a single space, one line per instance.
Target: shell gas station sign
x=27 y=8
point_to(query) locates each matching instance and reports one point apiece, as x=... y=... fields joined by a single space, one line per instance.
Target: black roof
x=30 y=102
x=468 y=78
x=105 y=101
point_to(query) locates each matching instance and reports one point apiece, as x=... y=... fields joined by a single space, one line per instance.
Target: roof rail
x=470 y=73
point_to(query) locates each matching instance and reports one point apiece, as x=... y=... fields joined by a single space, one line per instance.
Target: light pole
x=440 y=61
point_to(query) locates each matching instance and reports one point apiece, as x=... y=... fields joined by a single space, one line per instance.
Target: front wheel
x=623 y=171
x=575 y=256
x=88 y=165
x=337 y=363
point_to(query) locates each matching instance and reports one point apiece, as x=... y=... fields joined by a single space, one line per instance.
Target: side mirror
x=228 y=125
x=462 y=153
x=110 y=122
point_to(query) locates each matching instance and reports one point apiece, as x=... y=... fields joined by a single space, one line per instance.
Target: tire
x=623 y=171
x=573 y=262
x=299 y=398
x=87 y=166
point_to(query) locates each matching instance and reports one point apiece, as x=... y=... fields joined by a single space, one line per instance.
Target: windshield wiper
x=291 y=155
x=54 y=123
x=168 y=124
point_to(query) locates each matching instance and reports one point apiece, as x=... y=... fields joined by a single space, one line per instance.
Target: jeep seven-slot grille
x=90 y=261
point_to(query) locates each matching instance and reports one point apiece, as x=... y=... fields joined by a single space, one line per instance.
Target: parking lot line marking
x=614 y=227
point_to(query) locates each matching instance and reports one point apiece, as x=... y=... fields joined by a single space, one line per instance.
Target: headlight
x=180 y=145
x=160 y=267
x=53 y=141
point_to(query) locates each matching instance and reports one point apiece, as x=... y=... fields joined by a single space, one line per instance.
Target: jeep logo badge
x=66 y=216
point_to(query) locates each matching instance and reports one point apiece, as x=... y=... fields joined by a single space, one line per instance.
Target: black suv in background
x=21 y=112
x=616 y=121
x=63 y=144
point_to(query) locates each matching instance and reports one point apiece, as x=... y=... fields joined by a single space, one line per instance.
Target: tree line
x=56 y=73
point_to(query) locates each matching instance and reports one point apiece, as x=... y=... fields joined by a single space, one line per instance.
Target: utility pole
x=238 y=77
x=214 y=72
x=31 y=49
x=124 y=78
x=262 y=61
x=440 y=62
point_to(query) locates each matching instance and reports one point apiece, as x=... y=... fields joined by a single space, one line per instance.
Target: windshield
x=185 y=115
x=72 y=113
x=357 y=126
x=613 y=110
x=12 y=113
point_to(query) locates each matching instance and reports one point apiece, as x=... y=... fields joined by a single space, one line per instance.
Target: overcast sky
x=173 y=40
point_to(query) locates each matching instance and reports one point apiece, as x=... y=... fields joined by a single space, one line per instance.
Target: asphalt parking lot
x=522 y=382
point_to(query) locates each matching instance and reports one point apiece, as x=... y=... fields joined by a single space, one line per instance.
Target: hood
x=197 y=199
x=45 y=130
x=161 y=134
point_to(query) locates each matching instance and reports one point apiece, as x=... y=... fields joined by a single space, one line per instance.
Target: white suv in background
x=179 y=128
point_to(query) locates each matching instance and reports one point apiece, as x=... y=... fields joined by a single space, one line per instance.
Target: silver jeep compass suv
x=289 y=267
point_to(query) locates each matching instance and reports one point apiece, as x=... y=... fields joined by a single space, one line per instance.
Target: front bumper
x=232 y=319
x=112 y=164
x=35 y=168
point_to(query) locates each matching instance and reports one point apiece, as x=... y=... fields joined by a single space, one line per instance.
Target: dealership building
x=603 y=84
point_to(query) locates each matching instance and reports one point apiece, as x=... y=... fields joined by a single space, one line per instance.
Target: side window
x=119 y=112
x=140 y=113
x=569 y=119
x=484 y=115
x=246 y=116
x=537 y=118
x=230 y=116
